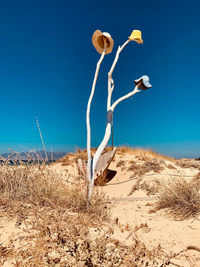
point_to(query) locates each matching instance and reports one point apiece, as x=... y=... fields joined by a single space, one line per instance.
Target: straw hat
x=144 y=82
x=98 y=39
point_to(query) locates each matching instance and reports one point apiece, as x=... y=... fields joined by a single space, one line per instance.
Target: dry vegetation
x=170 y=166
x=198 y=176
x=188 y=163
x=79 y=154
x=33 y=193
x=120 y=163
x=181 y=197
x=57 y=222
x=151 y=188
x=139 y=169
x=143 y=153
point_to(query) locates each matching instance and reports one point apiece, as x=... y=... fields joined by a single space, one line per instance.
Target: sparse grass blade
x=181 y=197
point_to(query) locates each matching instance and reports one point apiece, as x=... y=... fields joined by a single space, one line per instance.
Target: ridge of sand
x=131 y=213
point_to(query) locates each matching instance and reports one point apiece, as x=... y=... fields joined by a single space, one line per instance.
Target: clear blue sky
x=47 y=64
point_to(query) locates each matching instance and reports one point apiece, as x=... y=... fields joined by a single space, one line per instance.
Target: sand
x=132 y=215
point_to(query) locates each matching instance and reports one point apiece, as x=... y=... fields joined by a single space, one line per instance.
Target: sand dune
x=131 y=195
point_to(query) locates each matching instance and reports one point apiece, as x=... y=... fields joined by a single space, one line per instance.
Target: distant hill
x=39 y=155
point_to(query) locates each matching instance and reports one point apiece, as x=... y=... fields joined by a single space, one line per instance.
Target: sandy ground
x=132 y=214
x=135 y=211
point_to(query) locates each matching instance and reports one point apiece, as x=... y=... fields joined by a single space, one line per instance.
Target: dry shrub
x=180 y=197
x=151 y=188
x=57 y=224
x=135 y=187
x=143 y=153
x=52 y=211
x=188 y=163
x=196 y=181
x=153 y=165
x=72 y=158
x=143 y=158
x=141 y=169
x=65 y=241
x=121 y=163
x=37 y=185
x=198 y=176
x=170 y=166
x=139 y=153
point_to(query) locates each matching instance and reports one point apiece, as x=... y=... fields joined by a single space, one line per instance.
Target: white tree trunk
x=89 y=172
x=97 y=156
x=108 y=126
x=106 y=139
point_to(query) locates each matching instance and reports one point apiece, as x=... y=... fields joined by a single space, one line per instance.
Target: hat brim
x=97 y=40
x=144 y=85
x=139 y=41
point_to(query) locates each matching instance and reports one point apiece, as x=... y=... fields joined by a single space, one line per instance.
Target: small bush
x=121 y=163
x=188 y=163
x=198 y=176
x=170 y=166
x=143 y=153
x=181 y=197
x=141 y=169
x=151 y=188
x=57 y=223
x=38 y=185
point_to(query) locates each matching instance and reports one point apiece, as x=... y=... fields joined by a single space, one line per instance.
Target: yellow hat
x=98 y=39
x=136 y=35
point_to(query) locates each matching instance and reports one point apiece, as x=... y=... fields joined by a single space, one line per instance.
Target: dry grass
x=180 y=197
x=121 y=163
x=141 y=169
x=198 y=176
x=170 y=166
x=151 y=188
x=196 y=181
x=36 y=196
x=143 y=157
x=57 y=223
x=71 y=158
x=70 y=246
x=188 y=163
x=39 y=186
x=143 y=153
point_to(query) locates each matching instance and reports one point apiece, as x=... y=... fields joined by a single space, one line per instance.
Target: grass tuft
x=141 y=169
x=39 y=186
x=180 y=197
x=188 y=163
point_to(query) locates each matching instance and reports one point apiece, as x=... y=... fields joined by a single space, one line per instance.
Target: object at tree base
x=101 y=168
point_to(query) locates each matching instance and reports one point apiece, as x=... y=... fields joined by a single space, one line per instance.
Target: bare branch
x=136 y=90
x=110 y=80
